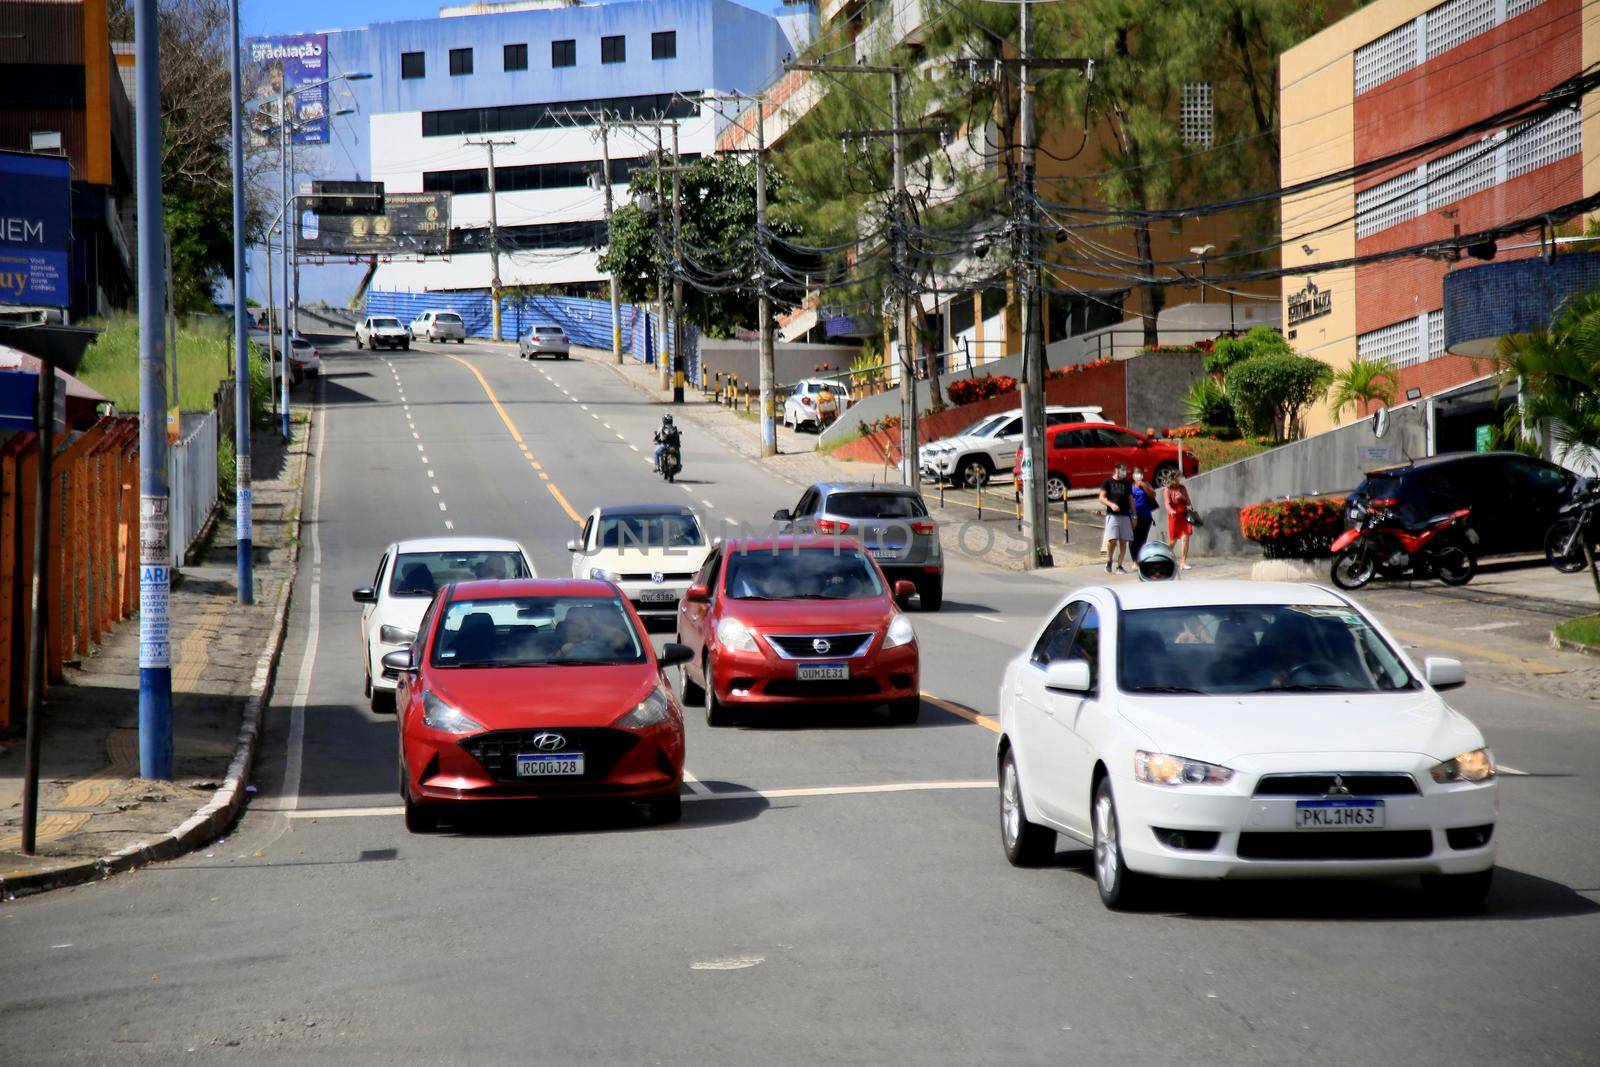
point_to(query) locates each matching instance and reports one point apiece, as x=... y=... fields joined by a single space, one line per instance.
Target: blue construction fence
x=587 y=322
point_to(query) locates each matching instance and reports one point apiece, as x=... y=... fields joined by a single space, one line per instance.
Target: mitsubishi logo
x=820 y=646
x=555 y=742
x=1337 y=788
x=657 y=577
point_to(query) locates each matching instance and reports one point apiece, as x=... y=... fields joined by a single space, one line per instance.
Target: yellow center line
x=988 y=722
x=505 y=418
x=1533 y=666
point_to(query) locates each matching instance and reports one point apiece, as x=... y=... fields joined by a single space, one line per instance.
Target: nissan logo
x=549 y=742
x=820 y=646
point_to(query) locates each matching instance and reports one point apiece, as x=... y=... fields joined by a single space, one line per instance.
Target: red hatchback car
x=1082 y=456
x=796 y=620
x=535 y=689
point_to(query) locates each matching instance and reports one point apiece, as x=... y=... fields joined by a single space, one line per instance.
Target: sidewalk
x=92 y=803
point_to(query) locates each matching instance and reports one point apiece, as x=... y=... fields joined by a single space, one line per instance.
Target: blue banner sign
x=35 y=229
x=291 y=63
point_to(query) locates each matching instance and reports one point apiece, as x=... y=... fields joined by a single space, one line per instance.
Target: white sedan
x=544 y=340
x=815 y=402
x=409 y=573
x=1240 y=730
x=649 y=551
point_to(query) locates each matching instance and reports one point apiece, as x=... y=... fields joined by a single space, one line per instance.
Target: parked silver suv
x=890 y=520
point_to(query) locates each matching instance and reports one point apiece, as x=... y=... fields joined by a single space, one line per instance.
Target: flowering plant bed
x=971 y=390
x=1302 y=528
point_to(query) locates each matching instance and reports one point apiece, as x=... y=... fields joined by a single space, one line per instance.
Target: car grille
x=846 y=687
x=1336 y=845
x=666 y=576
x=798 y=646
x=1357 y=783
x=602 y=748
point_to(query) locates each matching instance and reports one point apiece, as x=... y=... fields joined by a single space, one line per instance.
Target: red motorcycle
x=1380 y=545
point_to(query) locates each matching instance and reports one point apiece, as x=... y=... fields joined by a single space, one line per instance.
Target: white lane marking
x=727 y=963
x=448 y=525
x=424 y=460
x=415 y=435
x=1491 y=626
x=419 y=448
x=435 y=490
x=607 y=425
x=294 y=759
x=686 y=489
x=989 y=618
x=442 y=507
x=692 y=784
x=430 y=474
x=584 y=406
x=707 y=503
x=622 y=438
x=634 y=447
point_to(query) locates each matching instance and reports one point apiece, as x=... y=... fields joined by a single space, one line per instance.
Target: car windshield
x=385 y=323
x=1255 y=648
x=536 y=631
x=982 y=426
x=875 y=506
x=448 y=316
x=422 y=573
x=802 y=574
x=649 y=531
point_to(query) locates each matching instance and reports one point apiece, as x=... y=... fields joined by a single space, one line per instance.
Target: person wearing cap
x=1116 y=495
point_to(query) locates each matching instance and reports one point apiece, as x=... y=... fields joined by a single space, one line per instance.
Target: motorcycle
x=1577 y=524
x=670 y=463
x=1379 y=545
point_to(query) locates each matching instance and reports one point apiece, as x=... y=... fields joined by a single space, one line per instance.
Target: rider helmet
x=1155 y=562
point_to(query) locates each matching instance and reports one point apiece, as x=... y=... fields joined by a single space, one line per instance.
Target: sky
x=274 y=17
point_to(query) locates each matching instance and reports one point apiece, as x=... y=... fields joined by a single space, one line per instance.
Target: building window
x=510 y=117
x=563 y=53
x=613 y=49
x=1196 y=114
x=1406 y=342
x=1439 y=30
x=664 y=45
x=413 y=65
x=516 y=57
x=460 y=61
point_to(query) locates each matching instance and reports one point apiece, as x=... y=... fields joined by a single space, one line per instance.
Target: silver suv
x=890 y=520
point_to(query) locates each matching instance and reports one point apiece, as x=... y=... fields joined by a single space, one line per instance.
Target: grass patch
x=204 y=355
x=1584 y=630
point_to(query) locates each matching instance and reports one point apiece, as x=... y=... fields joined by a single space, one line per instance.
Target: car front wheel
x=717 y=713
x=1119 y=887
x=972 y=473
x=1027 y=844
x=420 y=818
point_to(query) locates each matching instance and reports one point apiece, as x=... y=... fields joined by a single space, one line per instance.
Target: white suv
x=382 y=331
x=439 y=326
x=989 y=446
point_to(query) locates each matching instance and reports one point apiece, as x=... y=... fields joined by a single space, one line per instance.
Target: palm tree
x=1360 y=383
x=1556 y=370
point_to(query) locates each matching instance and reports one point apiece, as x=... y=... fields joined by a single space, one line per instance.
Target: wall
x=1326 y=463
x=791 y=362
x=1155 y=386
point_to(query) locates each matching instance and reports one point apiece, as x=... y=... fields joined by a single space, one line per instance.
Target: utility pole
x=241 y=337
x=283 y=249
x=768 y=375
x=155 y=557
x=605 y=183
x=678 y=367
x=494 y=237
x=1034 y=468
x=661 y=275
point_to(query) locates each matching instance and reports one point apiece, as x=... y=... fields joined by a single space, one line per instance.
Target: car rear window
x=422 y=573
x=875 y=506
x=549 y=330
x=448 y=316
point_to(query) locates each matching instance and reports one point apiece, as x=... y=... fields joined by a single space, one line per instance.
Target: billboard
x=410 y=224
x=285 y=64
x=35 y=229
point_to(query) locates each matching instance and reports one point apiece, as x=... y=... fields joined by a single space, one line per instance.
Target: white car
x=382 y=331
x=306 y=359
x=408 y=574
x=544 y=340
x=815 y=402
x=1240 y=729
x=989 y=446
x=649 y=551
x=439 y=326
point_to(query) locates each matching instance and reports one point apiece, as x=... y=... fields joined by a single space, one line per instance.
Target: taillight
x=808 y=402
x=923 y=526
x=1386 y=502
x=832 y=526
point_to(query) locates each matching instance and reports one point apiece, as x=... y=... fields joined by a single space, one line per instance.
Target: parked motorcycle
x=1577 y=524
x=1380 y=545
x=670 y=463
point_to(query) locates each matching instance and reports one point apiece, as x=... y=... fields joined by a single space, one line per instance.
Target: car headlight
x=438 y=715
x=603 y=575
x=1162 y=769
x=656 y=707
x=1475 y=766
x=395 y=635
x=735 y=635
x=899 y=632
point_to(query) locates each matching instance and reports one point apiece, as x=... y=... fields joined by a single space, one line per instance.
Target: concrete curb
x=219 y=813
x=1572 y=646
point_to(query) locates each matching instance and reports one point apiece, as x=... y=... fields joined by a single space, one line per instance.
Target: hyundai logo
x=657 y=577
x=549 y=742
x=820 y=646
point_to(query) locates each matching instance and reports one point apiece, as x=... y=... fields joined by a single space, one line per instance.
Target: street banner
x=285 y=64
x=35 y=229
x=409 y=224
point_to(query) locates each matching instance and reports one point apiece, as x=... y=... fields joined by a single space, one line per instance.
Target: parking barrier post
x=979 y=491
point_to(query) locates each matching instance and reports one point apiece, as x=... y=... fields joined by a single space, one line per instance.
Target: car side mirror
x=1068 y=676
x=1444 y=673
x=904 y=591
x=574 y=546
x=365 y=595
x=398 y=660
x=783 y=515
x=697 y=594
x=673 y=654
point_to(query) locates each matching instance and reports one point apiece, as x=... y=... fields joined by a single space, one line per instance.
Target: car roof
x=1446 y=458
x=1172 y=594
x=889 y=488
x=458 y=544
x=643 y=509
x=758 y=542
x=487 y=587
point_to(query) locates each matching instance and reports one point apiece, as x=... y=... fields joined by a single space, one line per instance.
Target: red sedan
x=792 y=620
x=534 y=689
x=1082 y=456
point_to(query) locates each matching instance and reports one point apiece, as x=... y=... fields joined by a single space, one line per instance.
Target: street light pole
x=155 y=556
x=678 y=366
x=605 y=183
x=769 y=426
x=1035 y=498
x=285 y=351
x=241 y=340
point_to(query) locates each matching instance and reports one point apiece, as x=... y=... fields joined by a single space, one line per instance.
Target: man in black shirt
x=1116 y=493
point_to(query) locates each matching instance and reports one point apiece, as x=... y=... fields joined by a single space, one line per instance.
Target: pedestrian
x=1116 y=493
x=1144 y=510
x=1180 y=517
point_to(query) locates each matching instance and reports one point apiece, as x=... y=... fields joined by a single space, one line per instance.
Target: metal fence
x=192 y=485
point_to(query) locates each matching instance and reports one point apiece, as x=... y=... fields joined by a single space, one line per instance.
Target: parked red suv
x=1082 y=457
x=794 y=620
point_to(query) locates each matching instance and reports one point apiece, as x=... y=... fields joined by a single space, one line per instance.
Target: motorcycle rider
x=667 y=435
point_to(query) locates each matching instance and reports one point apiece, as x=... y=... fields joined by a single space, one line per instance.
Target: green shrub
x=1268 y=392
x=1206 y=403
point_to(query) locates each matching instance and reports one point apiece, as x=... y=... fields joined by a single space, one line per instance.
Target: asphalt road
x=816 y=922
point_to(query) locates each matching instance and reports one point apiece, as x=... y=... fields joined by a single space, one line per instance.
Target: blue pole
x=155 y=556
x=241 y=342
x=283 y=248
